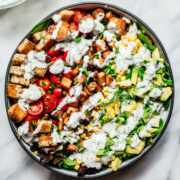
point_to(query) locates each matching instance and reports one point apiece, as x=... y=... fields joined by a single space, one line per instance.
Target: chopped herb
x=51 y=63
x=43 y=134
x=49 y=92
x=75 y=82
x=141 y=72
x=77 y=39
x=45 y=117
x=90 y=57
x=166 y=104
x=41 y=37
x=52 y=86
x=88 y=112
x=86 y=73
x=114 y=37
x=34 y=123
x=79 y=66
x=105 y=22
x=101 y=35
x=95 y=79
x=168 y=82
x=116 y=50
x=128 y=76
x=42 y=83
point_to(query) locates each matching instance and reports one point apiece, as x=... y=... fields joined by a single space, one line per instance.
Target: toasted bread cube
x=99 y=88
x=100 y=45
x=14 y=91
x=61 y=124
x=120 y=24
x=39 y=35
x=66 y=83
x=66 y=15
x=106 y=53
x=109 y=79
x=45 y=141
x=19 y=59
x=109 y=15
x=72 y=147
x=75 y=71
x=101 y=77
x=20 y=80
x=40 y=72
x=81 y=79
x=74 y=104
x=17 y=70
x=45 y=44
x=71 y=110
x=26 y=46
x=83 y=96
x=63 y=32
x=92 y=86
x=96 y=12
x=57 y=114
x=46 y=125
x=16 y=113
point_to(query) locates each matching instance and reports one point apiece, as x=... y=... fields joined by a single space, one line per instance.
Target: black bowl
x=157 y=42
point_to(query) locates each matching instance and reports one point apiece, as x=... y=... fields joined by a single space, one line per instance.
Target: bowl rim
x=133 y=160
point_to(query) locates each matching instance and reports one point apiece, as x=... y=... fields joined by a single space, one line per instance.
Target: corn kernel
x=78 y=161
x=36 y=152
x=83 y=135
x=116 y=164
x=77 y=166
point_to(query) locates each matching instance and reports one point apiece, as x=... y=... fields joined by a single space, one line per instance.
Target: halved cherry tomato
x=53 y=52
x=36 y=108
x=50 y=102
x=64 y=108
x=58 y=92
x=30 y=117
x=55 y=122
x=78 y=16
x=44 y=83
x=54 y=59
x=73 y=27
x=68 y=75
x=63 y=57
x=55 y=79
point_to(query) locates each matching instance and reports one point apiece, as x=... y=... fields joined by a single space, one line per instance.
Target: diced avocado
x=134 y=75
x=101 y=152
x=147 y=113
x=137 y=150
x=161 y=60
x=160 y=71
x=116 y=164
x=149 y=134
x=68 y=163
x=158 y=80
x=167 y=91
x=155 y=54
x=109 y=143
x=129 y=109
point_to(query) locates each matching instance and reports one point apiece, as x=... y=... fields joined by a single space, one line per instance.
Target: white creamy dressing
x=55 y=32
x=32 y=93
x=128 y=21
x=34 y=59
x=86 y=25
x=100 y=16
x=57 y=67
x=135 y=141
x=38 y=128
x=112 y=27
x=98 y=27
x=92 y=145
x=109 y=36
x=23 y=129
x=75 y=34
x=155 y=93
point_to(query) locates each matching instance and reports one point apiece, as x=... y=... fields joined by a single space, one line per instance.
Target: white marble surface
x=163 y=162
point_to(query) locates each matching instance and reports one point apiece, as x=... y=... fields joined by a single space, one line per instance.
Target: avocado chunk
x=129 y=109
x=134 y=75
x=155 y=54
x=158 y=80
x=167 y=91
x=101 y=152
x=137 y=150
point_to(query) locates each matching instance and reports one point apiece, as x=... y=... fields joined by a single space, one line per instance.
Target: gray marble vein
x=163 y=162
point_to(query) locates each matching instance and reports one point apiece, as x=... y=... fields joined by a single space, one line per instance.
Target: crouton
x=66 y=120
x=72 y=147
x=66 y=15
x=81 y=79
x=57 y=114
x=33 y=80
x=45 y=141
x=66 y=83
x=46 y=125
x=20 y=80
x=45 y=44
x=87 y=91
x=109 y=79
x=74 y=104
x=39 y=35
x=63 y=31
x=61 y=123
x=106 y=53
x=85 y=101
x=83 y=96
x=26 y=46
x=109 y=15
x=70 y=110
x=101 y=77
x=17 y=70
x=40 y=72
x=96 y=12
x=16 y=113
x=92 y=86
x=112 y=44
x=14 y=91
x=100 y=45
x=19 y=59
x=79 y=62
x=120 y=24
x=75 y=71
x=99 y=88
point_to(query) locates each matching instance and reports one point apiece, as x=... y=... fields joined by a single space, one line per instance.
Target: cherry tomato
x=55 y=79
x=68 y=75
x=78 y=16
x=63 y=57
x=52 y=52
x=30 y=117
x=50 y=102
x=73 y=27
x=44 y=83
x=36 y=108
x=54 y=59
x=58 y=92
x=55 y=122
x=64 y=108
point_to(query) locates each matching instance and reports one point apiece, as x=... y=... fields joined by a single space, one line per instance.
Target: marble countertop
x=163 y=162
